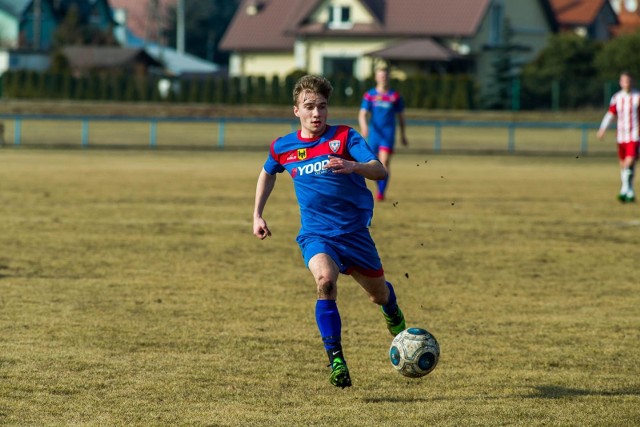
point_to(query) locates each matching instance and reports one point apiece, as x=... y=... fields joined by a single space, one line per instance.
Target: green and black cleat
x=339 y=373
x=395 y=322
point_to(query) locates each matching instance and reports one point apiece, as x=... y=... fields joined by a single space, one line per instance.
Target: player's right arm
x=265 y=185
x=362 y=121
x=608 y=117
x=606 y=121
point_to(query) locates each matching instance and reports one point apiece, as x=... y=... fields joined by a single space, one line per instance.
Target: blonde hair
x=312 y=84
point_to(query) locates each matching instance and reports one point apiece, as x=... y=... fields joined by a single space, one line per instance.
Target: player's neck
x=307 y=134
x=382 y=88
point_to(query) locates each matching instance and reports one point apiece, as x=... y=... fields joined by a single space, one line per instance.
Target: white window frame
x=335 y=12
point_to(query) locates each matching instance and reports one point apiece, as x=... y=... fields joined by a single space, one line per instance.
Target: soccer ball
x=414 y=352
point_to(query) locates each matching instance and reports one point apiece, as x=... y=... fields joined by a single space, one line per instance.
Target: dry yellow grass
x=133 y=293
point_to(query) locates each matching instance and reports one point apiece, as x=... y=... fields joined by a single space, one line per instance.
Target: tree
x=620 y=53
x=74 y=30
x=205 y=23
x=567 y=60
x=504 y=64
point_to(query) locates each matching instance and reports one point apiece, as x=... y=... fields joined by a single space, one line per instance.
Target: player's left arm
x=372 y=169
x=399 y=109
x=401 y=125
x=359 y=159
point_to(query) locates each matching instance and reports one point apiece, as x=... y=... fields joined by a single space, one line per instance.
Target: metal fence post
x=437 y=142
x=584 y=144
x=511 y=147
x=17 y=132
x=153 y=133
x=221 y=133
x=85 y=133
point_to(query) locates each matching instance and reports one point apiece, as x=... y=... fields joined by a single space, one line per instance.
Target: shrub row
x=429 y=92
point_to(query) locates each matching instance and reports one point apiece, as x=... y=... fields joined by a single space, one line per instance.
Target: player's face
x=625 y=82
x=382 y=78
x=313 y=111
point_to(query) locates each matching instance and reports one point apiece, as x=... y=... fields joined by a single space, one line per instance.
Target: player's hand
x=600 y=133
x=405 y=141
x=260 y=229
x=340 y=165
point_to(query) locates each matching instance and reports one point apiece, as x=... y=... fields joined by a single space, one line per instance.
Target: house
x=276 y=37
x=17 y=29
x=85 y=59
x=628 y=16
x=139 y=25
x=145 y=19
x=31 y=24
x=593 y=19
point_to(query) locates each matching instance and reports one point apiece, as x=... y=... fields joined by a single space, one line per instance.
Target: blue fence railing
x=438 y=125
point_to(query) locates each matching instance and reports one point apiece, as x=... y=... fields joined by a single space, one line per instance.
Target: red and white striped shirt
x=626 y=105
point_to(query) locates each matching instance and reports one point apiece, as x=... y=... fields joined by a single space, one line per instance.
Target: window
x=332 y=66
x=339 y=17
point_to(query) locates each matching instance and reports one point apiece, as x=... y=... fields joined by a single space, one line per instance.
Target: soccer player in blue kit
x=377 y=119
x=328 y=165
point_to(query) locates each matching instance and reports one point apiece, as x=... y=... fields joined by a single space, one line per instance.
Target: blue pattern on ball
x=394 y=356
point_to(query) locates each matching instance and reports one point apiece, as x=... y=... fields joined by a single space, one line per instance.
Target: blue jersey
x=330 y=203
x=383 y=108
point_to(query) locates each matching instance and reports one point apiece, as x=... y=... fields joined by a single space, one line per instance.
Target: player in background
x=625 y=104
x=328 y=165
x=377 y=118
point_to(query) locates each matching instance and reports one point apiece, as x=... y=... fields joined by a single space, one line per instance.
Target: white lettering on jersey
x=313 y=168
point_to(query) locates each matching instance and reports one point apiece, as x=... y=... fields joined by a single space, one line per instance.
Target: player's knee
x=326 y=287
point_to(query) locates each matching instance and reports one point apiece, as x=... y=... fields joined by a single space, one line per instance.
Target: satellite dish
x=631 y=5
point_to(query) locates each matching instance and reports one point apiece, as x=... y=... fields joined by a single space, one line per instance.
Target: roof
x=577 y=12
x=276 y=23
x=628 y=21
x=435 y=17
x=139 y=15
x=14 y=7
x=264 y=30
x=105 y=56
x=179 y=64
x=416 y=49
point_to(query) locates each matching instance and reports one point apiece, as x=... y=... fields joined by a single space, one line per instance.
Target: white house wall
x=8 y=30
x=359 y=14
x=344 y=48
x=261 y=64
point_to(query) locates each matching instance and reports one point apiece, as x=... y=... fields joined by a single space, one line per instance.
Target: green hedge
x=423 y=92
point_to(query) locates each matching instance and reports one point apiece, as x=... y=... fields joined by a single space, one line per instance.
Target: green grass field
x=132 y=293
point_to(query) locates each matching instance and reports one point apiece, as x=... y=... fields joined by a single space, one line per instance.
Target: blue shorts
x=377 y=144
x=352 y=251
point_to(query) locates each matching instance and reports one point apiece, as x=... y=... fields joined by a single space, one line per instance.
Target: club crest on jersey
x=334 y=145
x=302 y=153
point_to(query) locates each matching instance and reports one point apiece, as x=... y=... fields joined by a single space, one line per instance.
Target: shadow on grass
x=538 y=392
x=390 y=399
x=559 y=392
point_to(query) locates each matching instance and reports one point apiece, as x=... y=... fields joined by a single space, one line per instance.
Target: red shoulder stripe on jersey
x=273 y=151
x=342 y=135
x=336 y=145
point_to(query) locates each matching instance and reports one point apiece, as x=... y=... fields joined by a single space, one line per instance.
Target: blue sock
x=330 y=325
x=391 y=307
